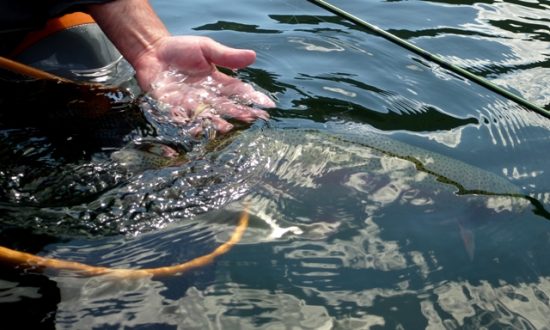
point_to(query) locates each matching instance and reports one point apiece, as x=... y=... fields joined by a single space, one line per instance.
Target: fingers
x=171 y=88
x=187 y=112
x=200 y=118
x=241 y=92
x=200 y=103
x=240 y=112
x=204 y=126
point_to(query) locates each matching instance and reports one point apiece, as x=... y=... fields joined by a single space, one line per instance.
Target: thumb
x=224 y=56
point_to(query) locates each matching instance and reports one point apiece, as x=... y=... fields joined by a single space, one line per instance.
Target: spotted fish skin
x=147 y=156
x=466 y=178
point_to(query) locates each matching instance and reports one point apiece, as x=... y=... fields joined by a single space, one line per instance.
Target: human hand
x=180 y=72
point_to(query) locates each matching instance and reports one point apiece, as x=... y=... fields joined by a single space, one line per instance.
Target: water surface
x=384 y=192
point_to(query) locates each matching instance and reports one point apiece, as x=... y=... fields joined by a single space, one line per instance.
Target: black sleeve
x=60 y=7
x=17 y=15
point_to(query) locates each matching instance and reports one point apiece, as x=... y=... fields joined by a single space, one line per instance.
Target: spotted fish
x=291 y=163
x=295 y=146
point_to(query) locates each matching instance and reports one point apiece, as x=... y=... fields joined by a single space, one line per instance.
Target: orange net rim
x=33 y=261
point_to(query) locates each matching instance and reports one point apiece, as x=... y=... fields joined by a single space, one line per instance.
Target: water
x=384 y=192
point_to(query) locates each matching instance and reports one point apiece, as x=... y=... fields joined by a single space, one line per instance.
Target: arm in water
x=162 y=61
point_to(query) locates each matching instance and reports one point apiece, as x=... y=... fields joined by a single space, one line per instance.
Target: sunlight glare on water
x=383 y=191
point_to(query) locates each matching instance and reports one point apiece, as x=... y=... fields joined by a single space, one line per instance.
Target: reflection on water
x=506 y=41
x=384 y=191
x=219 y=306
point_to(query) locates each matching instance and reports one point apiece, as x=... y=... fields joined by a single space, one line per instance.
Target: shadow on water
x=408 y=116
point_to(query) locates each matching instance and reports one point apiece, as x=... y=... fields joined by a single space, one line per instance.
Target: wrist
x=135 y=33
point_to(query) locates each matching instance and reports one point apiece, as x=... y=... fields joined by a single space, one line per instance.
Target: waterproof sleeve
x=18 y=15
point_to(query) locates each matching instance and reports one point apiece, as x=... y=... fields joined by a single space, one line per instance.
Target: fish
x=298 y=156
x=337 y=146
x=304 y=157
x=142 y=156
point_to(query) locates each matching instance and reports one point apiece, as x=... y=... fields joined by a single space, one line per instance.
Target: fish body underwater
x=300 y=166
x=355 y=146
x=276 y=167
x=154 y=185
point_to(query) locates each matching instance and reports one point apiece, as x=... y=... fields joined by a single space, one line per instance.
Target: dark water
x=385 y=192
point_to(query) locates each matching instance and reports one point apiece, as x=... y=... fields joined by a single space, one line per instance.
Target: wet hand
x=180 y=72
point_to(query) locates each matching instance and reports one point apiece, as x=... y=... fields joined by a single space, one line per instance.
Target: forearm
x=134 y=33
x=196 y=94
